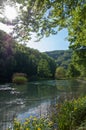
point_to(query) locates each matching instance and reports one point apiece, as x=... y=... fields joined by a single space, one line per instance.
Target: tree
x=44 y=17
x=7 y=61
x=79 y=61
x=44 y=69
x=17 y=58
x=51 y=62
x=60 y=73
x=72 y=71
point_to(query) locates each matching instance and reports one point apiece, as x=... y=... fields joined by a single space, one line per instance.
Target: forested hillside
x=17 y=58
x=61 y=57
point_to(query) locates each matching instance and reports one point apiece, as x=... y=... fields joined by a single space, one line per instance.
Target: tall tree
x=7 y=61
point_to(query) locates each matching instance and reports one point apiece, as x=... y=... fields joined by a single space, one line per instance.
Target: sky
x=53 y=42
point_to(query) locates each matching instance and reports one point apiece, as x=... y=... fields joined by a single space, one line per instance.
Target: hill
x=61 y=57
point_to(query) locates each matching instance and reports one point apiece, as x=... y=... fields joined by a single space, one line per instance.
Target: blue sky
x=54 y=42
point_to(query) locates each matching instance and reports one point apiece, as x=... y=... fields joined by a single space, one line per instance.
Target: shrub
x=72 y=115
x=19 y=78
x=60 y=73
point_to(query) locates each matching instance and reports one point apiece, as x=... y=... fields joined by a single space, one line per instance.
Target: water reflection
x=36 y=97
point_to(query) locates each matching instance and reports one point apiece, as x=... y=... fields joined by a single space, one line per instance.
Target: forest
x=17 y=58
x=62 y=57
x=72 y=61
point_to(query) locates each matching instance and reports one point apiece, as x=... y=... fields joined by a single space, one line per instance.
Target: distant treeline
x=73 y=61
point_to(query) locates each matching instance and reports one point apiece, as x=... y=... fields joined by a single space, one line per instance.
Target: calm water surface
x=35 y=98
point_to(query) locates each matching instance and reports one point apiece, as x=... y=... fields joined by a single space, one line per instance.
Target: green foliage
x=61 y=57
x=16 y=57
x=72 y=115
x=44 y=69
x=77 y=32
x=43 y=17
x=79 y=61
x=7 y=61
x=33 y=123
x=72 y=71
x=64 y=14
x=60 y=73
x=19 y=78
x=73 y=61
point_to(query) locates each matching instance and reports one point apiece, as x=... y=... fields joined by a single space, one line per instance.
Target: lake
x=35 y=98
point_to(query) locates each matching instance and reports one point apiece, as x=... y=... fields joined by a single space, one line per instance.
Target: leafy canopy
x=47 y=16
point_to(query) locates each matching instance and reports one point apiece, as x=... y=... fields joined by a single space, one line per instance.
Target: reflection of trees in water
x=37 y=91
x=71 y=88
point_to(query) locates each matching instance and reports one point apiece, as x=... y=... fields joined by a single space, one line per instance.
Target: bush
x=72 y=115
x=60 y=73
x=19 y=78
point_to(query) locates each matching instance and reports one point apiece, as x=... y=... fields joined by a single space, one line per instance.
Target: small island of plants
x=19 y=78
